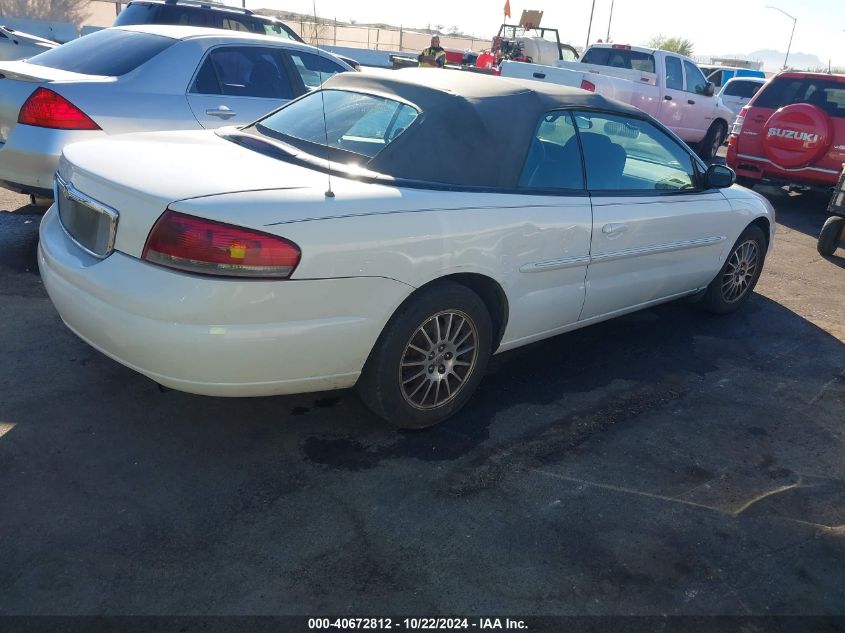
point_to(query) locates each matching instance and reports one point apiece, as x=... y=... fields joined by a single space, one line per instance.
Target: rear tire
x=430 y=357
x=709 y=146
x=830 y=235
x=739 y=274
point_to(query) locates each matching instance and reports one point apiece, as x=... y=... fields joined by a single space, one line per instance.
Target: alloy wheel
x=740 y=271
x=438 y=359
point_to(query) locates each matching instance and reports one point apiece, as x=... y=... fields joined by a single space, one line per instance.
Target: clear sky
x=714 y=26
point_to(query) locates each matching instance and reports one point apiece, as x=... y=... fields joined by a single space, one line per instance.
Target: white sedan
x=390 y=231
x=143 y=78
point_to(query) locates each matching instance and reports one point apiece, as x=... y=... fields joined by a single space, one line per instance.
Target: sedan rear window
x=827 y=94
x=111 y=52
x=354 y=122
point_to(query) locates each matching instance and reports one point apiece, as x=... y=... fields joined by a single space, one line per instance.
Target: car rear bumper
x=211 y=336
x=761 y=168
x=30 y=156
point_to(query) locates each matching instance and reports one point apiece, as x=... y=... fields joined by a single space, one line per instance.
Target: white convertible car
x=390 y=231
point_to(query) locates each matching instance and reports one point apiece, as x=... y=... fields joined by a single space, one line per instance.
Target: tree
x=58 y=10
x=679 y=45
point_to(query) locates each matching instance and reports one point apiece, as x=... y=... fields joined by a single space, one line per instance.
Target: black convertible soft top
x=473 y=130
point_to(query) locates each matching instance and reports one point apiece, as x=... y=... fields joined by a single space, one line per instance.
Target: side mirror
x=709 y=89
x=719 y=177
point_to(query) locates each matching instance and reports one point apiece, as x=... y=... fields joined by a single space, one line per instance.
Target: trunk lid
x=141 y=175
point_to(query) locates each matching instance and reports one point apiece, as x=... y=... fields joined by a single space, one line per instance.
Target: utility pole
x=794 y=22
x=590 y=27
x=609 y=20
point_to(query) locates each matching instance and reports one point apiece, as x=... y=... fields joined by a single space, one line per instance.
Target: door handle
x=222 y=112
x=614 y=228
x=667 y=97
x=539 y=75
x=690 y=101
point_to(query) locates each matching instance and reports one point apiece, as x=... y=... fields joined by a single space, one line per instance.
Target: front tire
x=830 y=235
x=709 y=146
x=738 y=276
x=430 y=357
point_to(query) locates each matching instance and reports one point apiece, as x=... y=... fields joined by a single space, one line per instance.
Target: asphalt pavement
x=667 y=462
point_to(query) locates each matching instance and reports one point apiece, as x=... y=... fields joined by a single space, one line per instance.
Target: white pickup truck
x=668 y=86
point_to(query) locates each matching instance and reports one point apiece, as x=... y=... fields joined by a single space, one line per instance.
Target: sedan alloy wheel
x=438 y=359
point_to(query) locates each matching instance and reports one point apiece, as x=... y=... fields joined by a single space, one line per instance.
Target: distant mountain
x=773 y=60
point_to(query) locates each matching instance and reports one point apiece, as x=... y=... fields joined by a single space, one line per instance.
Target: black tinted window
x=554 y=158
x=827 y=94
x=110 y=52
x=186 y=16
x=233 y=23
x=620 y=58
x=743 y=89
x=243 y=71
x=138 y=14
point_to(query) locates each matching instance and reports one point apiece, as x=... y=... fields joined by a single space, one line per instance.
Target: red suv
x=792 y=131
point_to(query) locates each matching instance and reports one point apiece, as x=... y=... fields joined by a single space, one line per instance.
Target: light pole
x=609 y=20
x=794 y=21
x=590 y=26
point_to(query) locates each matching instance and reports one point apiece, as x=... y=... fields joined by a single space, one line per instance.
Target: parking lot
x=668 y=462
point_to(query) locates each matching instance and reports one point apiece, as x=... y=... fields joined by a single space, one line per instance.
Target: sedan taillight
x=45 y=108
x=196 y=245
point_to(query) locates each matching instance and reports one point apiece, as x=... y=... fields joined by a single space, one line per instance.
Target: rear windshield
x=620 y=58
x=111 y=52
x=354 y=122
x=742 y=89
x=827 y=94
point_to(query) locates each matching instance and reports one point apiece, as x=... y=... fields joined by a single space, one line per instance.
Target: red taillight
x=203 y=246
x=45 y=108
x=588 y=85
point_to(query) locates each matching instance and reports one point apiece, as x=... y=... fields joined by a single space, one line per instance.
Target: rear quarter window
x=111 y=52
x=356 y=123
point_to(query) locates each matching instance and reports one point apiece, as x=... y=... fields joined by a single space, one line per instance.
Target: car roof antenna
x=329 y=192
